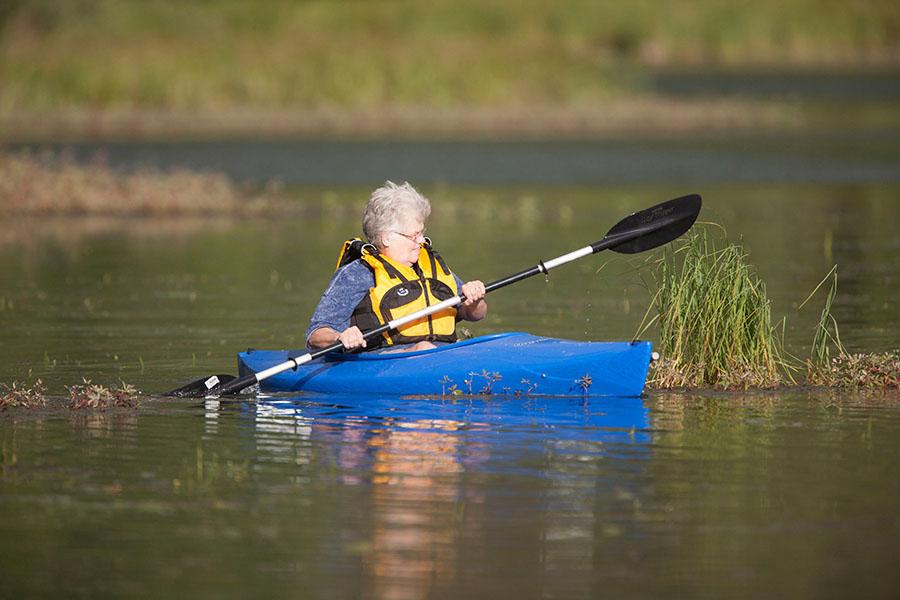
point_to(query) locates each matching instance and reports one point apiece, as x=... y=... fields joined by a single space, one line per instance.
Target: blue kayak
x=503 y=363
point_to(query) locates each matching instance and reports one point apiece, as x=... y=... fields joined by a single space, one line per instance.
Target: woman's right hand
x=352 y=338
x=324 y=337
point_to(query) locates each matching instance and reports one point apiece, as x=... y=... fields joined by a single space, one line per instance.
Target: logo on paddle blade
x=402 y=292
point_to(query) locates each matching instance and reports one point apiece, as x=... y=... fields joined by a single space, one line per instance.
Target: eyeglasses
x=413 y=237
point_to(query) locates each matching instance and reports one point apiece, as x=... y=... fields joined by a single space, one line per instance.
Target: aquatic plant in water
x=826 y=335
x=713 y=317
x=861 y=370
x=90 y=395
x=490 y=378
x=18 y=395
x=715 y=327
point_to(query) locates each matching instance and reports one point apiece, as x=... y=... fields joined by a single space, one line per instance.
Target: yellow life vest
x=400 y=290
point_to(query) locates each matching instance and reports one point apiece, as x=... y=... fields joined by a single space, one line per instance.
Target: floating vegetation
x=530 y=388
x=585 y=382
x=51 y=185
x=860 y=370
x=449 y=389
x=715 y=327
x=91 y=395
x=17 y=395
x=490 y=378
x=714 y=318
x=84 y=395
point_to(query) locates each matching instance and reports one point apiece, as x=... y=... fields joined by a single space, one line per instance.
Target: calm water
x=794 y=494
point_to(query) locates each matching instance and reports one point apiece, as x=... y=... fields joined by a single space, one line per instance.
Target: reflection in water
x=283 y=439
x=211 y=416
x=426 y=465
x=120 y=426
x=713 y=495
x=416 y=485
x=790 y=487
x=32 y=234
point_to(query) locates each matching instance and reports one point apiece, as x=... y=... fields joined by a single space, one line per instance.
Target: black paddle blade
x=654 y=226
x=201 y=388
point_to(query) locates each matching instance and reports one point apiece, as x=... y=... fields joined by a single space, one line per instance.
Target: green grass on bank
x=205 y=55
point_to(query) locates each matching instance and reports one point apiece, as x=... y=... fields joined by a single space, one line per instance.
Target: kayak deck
x=504 y=363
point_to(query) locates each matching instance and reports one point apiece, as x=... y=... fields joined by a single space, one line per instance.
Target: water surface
x=791 y=494
x=794 y=494
x=834 y=157
x=163 y=302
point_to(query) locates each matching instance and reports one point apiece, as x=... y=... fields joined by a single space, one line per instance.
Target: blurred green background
x=306 y=65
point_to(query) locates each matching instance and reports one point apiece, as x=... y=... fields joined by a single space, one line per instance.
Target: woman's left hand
x=473 y=291
x=474 y=307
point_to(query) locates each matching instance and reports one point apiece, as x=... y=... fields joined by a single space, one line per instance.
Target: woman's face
x=403 y=243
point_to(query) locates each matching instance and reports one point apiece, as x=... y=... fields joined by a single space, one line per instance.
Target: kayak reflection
x=422 y=466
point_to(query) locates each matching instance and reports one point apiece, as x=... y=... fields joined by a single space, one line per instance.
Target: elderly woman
x=395 y=274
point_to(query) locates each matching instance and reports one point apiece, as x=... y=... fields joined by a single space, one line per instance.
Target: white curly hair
x=389 y=206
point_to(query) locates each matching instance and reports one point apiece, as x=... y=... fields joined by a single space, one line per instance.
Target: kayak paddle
x=643 y=230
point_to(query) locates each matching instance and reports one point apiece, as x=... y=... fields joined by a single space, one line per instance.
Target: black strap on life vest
x=355 y=248
x=352 y=250
x=391 y=269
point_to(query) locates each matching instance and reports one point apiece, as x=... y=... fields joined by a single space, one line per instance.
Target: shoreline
x=639 y=116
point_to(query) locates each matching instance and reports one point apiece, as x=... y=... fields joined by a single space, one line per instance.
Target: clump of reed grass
x=48 y=184
x=714 y=318
x=91 y=395
x=715 y=327
x=17 y=395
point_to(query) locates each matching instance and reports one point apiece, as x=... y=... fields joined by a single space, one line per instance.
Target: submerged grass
x=716 y=329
